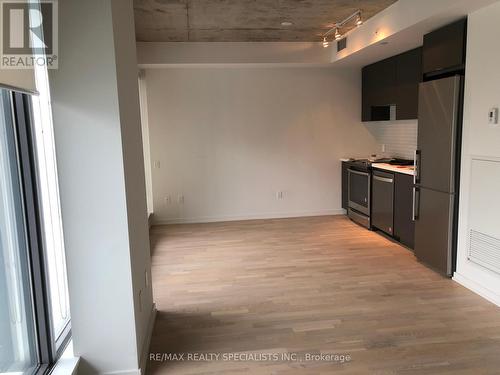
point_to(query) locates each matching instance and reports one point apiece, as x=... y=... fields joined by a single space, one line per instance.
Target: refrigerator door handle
x=416 y=203
x=417 y=157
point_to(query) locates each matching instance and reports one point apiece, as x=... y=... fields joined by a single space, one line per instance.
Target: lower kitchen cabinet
x=404 y=226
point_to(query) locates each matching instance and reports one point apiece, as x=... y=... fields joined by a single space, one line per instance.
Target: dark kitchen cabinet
x=383 y=201
x=380 y=81
x=392 y=82
x=408 y=77
x=404 y=226
x=444 y=49
x=379 y=85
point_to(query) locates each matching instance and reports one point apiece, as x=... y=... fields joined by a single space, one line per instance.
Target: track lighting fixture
x=337 y=27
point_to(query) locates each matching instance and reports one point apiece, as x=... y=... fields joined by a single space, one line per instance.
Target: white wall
x=227 y=139
x=101 y=179
x=480 y=142
x=161 y=53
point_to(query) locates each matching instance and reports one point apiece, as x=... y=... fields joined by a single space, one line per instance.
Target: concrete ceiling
x=244 y=20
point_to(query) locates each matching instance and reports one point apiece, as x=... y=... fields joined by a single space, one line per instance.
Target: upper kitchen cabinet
x=444 y=49
x=408 y=76
x=379 y=83
x=392 y=84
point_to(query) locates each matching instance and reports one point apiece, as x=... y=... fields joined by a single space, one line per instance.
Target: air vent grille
x=484 y=250
x=342 y=44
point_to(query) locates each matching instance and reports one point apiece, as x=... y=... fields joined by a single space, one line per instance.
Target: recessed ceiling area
x=245 y=20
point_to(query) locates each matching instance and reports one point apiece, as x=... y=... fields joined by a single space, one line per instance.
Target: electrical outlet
x=156 y=164
x=167 y=200
x=180 y=199
x=493 y=116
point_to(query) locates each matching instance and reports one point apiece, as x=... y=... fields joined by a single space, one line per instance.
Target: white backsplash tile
x=399 y=137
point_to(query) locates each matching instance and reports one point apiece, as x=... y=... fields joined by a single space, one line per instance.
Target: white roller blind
x=18 y=79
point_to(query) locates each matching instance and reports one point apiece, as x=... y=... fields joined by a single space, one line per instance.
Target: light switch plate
x=493 y=116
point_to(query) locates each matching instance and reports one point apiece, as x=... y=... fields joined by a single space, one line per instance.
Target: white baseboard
x=144 y=351
x=147 y=341
x=269 y=215
x=477 y=288
x=150 y=220
x=125 y=372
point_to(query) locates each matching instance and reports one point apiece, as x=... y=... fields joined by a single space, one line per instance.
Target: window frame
x=49 y=348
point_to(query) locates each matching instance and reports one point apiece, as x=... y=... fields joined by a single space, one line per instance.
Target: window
x=35 y=320
x=17 y=329
x=34 y=303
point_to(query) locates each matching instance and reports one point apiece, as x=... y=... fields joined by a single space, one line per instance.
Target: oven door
x=359 y=191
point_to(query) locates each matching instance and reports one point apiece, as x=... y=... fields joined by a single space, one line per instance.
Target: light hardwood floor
x=312 y=285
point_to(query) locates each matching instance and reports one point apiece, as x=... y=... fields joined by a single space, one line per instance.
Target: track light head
x=359 y=20
x=338 y=36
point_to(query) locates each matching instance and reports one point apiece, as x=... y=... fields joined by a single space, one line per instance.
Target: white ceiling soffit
x=402 y=25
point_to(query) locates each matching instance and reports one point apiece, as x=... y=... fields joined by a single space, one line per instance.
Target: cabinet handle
x=416 y=165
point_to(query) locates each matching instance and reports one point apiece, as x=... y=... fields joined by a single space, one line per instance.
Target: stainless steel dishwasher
x=383 y=201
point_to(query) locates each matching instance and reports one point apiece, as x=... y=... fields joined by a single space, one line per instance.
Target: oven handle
x=357 y=172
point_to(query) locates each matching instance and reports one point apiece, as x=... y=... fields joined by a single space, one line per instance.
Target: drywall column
x=143 y=98
x=134 y=169
x=98 y=145
x=480 y=178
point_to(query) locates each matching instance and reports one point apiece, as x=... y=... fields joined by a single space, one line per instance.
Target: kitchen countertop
x=405 y=169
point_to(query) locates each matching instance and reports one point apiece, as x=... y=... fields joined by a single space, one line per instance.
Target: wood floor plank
x=311 y=285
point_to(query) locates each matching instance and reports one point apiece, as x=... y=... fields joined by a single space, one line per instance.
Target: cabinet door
x=368 y=91
x=384 y=82
x=404 y=226
x=444 y=49
x=408 y=77
x=379 y=84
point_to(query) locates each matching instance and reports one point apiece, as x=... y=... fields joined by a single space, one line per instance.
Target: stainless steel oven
x=359 y=196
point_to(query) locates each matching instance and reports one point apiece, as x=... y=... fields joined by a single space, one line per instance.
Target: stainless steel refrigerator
x=437 y=172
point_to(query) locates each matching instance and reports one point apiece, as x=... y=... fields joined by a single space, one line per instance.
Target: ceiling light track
x=336 y=29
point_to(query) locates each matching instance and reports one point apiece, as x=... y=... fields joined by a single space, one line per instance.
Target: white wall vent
x=484 y=250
